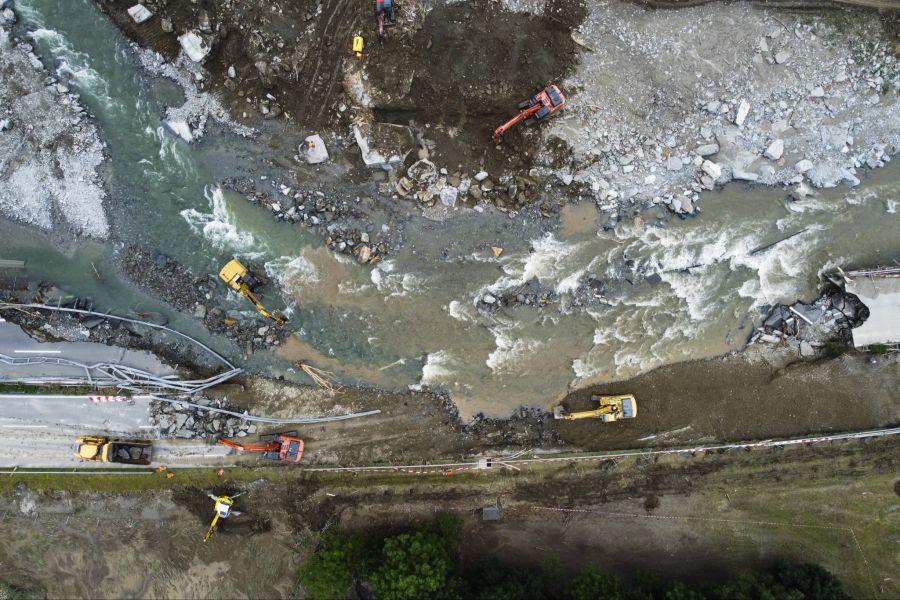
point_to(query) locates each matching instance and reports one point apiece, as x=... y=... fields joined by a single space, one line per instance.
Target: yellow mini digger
x=239 y=278
x=609 y=409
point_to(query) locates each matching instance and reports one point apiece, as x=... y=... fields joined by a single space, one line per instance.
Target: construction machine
x=101 y=449
x=609 y=409
x=242 y=281
x=276 y=446
x=535 y=109
x=223 y=508
x=384 y=15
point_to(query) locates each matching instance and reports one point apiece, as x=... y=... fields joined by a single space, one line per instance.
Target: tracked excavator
x=609 y=409
x=223 y=508
x=535 y=109
x=276 y=446
x=242 y=281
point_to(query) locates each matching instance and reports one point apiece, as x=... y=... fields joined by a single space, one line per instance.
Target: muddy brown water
x=670 y=293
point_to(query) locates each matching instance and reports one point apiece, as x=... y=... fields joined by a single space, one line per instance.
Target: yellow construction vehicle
x=223 y=509
x=609 y=409
x=238 y=278
x=101 y=449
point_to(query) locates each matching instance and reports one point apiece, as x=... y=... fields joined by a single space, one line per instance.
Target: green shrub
x=328 y=573
x=8 y=592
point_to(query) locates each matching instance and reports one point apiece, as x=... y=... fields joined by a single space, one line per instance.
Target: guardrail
x=513 y=460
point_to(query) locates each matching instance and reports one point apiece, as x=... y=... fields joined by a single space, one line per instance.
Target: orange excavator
x=535 y=109
x=276 y=446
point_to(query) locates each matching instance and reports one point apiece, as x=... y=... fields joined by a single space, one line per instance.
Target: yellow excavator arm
x=275 y=316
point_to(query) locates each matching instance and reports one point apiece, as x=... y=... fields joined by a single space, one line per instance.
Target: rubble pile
x=182 y=421
x=201 y=297
x=531 y=294
x=428 y=185
x=320 y=208
x=49 y=150
x=807 y=327
x=795 y=102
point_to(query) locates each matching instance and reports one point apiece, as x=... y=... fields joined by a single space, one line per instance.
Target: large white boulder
x=194 y=46
x=313 y=150
x=139 y=13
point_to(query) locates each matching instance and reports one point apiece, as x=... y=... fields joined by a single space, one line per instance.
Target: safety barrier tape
x=108 y=398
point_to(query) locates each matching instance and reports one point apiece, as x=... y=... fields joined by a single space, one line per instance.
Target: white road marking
x=146 y=426
x=37 y=351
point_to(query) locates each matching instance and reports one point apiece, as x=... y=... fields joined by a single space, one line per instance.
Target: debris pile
x=49 y=150
x=793 y=102
x=809 y=326
x=319 y=207
x=201 y=297
x=531 y=293
x=428 y=185
x=182 y=421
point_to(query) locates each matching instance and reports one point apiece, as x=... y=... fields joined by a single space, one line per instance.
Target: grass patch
x=67 y=390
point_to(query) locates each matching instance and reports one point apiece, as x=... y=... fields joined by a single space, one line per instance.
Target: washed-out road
x=40 y=430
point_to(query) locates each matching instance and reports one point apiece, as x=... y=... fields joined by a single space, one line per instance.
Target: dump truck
x=609 y=409
x=242 y=281
x=102 y=449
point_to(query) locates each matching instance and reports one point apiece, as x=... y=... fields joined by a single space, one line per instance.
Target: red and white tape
x=107 y=398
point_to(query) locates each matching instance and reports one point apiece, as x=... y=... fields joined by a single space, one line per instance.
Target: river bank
x=499 y=307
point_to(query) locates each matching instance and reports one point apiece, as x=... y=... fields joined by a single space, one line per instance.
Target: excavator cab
x=236 y=275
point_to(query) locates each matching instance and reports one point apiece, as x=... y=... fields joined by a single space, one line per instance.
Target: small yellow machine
x=609 y=409
x=238 y=278
x=101 y=449
x=223 y=509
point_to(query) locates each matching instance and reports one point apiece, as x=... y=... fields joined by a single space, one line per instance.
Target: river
x=690 y=289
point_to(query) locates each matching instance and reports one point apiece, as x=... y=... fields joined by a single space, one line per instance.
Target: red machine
x=535 y=109
x=277 y=446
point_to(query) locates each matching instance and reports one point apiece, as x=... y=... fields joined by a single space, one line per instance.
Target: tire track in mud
x=343 y=20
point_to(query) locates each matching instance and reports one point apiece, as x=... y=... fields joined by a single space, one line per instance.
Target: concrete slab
x=881 y=294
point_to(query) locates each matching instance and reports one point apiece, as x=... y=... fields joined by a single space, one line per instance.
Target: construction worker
x=384 y=11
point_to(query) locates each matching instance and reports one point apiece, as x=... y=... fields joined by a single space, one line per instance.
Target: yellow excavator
x=609 y=409
x=223 y=509
x=239 y=278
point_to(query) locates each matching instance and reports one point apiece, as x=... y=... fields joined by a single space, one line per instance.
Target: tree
x=327 y=574
x=415 y=565
x=810 y=580
x=678 y=590
x=752 y=586
x=594 y=584
x=494 y=580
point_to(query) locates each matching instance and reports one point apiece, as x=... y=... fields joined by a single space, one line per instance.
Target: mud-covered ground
x=689 y=517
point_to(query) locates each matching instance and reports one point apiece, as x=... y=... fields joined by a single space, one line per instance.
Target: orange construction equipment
x=276 y=446
x=535 y=109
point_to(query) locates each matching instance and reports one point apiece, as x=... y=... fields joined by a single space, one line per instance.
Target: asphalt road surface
x=39 y=431
x=15 y=343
